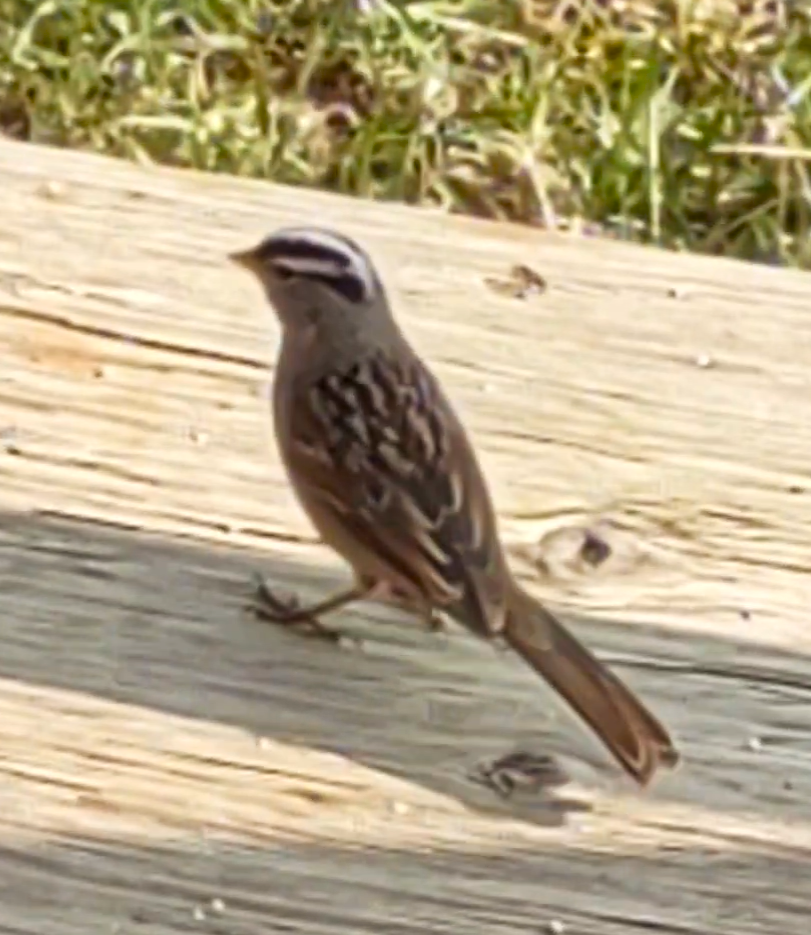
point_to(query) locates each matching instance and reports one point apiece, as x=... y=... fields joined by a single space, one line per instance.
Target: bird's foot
x=287 y=611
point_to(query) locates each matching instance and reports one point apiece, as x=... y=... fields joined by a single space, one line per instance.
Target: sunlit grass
x=675 y=123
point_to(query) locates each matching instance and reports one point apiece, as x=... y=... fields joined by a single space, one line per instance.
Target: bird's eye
x=284 y=274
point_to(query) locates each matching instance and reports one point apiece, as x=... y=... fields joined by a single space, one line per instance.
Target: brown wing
x=384 y=467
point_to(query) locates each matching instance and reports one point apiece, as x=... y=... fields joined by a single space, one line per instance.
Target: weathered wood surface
x=161 y=751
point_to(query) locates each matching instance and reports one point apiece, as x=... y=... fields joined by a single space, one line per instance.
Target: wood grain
x=169 y=764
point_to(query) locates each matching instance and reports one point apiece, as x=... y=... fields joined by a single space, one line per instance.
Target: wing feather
x=379 y=449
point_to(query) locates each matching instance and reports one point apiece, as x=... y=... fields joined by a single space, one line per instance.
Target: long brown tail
x=632 y=734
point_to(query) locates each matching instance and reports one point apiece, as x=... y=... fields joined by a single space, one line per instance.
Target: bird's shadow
x=162 y=623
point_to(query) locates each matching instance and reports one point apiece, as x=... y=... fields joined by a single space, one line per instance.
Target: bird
x=384 y=469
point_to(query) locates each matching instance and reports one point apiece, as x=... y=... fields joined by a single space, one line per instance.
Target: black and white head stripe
x=325 y=256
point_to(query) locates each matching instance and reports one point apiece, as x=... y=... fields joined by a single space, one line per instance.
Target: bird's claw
x=271 y=607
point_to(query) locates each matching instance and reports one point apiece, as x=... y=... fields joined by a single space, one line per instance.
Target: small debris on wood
x=8 y=440
x=522 y=282
x=52 y=190
x=197 y=436
x=520 y=770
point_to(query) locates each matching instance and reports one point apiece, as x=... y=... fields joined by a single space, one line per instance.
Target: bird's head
x=317 y=277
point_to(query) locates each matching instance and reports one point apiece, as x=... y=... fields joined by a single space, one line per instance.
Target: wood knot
x=585 y=550
x=594 y=550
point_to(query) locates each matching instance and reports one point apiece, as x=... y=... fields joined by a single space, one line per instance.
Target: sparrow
x=381 y=464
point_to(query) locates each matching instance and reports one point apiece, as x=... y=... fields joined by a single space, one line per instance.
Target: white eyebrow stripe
x=303 y=236
x=311 y=265
x=350 y=258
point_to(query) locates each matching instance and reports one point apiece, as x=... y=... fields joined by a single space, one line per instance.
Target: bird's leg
x=268 y=606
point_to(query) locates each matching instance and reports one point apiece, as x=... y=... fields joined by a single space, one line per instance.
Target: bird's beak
x=244 y=258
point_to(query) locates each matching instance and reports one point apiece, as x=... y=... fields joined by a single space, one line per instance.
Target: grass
x=686 y=124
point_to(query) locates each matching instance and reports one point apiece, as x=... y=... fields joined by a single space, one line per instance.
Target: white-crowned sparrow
x=385 y=471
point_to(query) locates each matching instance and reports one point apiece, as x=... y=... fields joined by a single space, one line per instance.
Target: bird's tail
x=632 y=734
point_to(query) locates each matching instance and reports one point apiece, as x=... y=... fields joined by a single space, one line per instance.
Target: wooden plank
x=169 y=763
